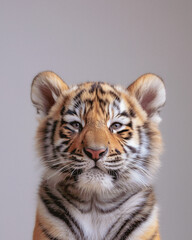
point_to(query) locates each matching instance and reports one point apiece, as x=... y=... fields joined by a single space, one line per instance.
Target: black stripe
x=53 y=131
x=130 y=125
x=63 y=122
x=68 y=193
x=114 y=174
x=79 y=95
x=122 y=131
x=125 y=223
x=102 y=104
x=62 y=111
x=123 y=147
x=77 y=104
x=76 y=172
x=71 y=130
x=139 y=133
x=70 y=112
x=58 y=214
x=48 y=122
x=114 y=95
x=117 y=151
x=113 y=161
x=116 y=207
x=65 y=142
x=54 y=152
x=130 y=135
x=133 y=150
x=71 y=200
x=55 y=166
x=132 y=113
x=135 y=223
x=66 y=149
x=112 y=155
x=46 y=233
x=62 y=135
x=101 y=89
x=88 y=101
x=93 y=87
x=74 y=150
x=124 y=114
x=61 y=213
x=116 y=106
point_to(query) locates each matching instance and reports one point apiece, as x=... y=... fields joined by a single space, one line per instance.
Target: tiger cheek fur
x=100 y=146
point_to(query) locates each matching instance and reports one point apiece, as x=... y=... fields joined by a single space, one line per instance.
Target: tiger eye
x=76 y=125
x=116 y=126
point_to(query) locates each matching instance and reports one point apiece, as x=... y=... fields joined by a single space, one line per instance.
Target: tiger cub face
x=100 y=137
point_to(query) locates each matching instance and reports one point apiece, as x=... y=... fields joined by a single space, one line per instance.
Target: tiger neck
x=67 y=191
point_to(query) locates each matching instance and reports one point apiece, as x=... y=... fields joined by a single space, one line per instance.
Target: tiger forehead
x=95 y=123
x=91 y=90
x=95 y=101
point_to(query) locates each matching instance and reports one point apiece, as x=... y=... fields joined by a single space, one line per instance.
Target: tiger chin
x=100 y=146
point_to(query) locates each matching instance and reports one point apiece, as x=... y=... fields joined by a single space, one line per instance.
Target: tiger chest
x=95 y=225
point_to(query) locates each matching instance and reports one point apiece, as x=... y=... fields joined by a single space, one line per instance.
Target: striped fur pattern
x=100 y=147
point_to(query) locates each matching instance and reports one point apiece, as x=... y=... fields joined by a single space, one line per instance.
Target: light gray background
x=109 y=40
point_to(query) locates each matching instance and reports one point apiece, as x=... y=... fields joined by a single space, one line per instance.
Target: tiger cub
x=100 y=147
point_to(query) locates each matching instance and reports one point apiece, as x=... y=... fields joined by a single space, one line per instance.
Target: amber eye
x=76 y=125
x=115 y=126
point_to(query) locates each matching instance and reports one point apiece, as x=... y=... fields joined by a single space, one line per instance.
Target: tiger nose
x=95 y=154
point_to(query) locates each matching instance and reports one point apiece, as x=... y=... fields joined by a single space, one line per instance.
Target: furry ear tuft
x=149 y=90
x=45 y=89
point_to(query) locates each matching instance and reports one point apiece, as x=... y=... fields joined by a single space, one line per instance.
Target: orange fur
x=144 y=98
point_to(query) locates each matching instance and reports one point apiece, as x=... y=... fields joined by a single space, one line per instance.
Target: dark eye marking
x=122 y=131
x=67 y=128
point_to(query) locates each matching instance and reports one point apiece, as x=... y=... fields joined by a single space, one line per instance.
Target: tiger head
x=99 y=136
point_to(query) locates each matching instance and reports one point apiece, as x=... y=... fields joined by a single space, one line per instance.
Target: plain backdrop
x=98 y=40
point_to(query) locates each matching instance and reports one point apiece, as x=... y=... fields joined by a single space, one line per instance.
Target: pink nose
x=95 y=154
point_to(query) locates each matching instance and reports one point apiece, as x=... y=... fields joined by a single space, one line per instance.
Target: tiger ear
x=149 y=90
x=45 y=89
